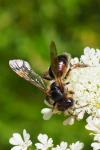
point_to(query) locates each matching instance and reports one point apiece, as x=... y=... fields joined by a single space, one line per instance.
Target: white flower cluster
x=93 y=124
x=85 y=83
x=74 y=146
x=20 y=143
x=44 y=143
x=91 y=57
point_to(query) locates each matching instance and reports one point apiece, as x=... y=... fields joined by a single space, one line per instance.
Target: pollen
x=98 y=105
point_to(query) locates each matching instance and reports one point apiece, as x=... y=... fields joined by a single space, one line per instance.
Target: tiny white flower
x=96 y=145
x=44 y=142
x=91 y=57
x=47 y=113
x=69 y=121
x=62 y=146
x=74 y=61
x=19 y=142
x=93 y=124
x=97 y=137
x=76 y=146
x=80 y=115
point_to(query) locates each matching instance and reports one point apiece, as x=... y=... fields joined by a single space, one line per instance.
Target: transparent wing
x=54 y=58
x=23 y=69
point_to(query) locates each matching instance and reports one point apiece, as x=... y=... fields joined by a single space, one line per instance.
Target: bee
x=56 y=94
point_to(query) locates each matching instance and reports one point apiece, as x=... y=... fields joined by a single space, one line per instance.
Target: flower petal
x=96 y=146
x=43 y=138
x=47 y=113
x=39 y=146
x=17 y=148
x=16 y=139
x=26 y=135
x=69 y=121
x=97 y=137
x=76 y=146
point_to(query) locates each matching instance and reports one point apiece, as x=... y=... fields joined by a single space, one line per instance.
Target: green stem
x=30 y=148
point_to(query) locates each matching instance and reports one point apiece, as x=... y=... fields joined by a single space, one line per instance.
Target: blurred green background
x=26 y=29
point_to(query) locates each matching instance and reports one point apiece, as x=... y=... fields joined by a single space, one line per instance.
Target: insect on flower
x=60 y=68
